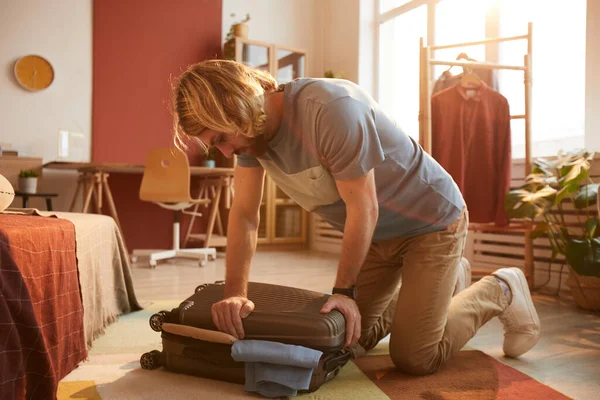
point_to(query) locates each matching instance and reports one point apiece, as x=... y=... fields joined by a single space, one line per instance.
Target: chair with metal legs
x=166 y=182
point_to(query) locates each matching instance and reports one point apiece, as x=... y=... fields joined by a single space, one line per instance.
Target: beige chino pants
x=427 y=324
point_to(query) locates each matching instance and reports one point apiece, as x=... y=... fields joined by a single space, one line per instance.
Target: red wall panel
x=138 y=46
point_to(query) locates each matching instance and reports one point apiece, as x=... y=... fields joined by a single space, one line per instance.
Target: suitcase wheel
x=157 y=320
x=150 y=360
x=202 y=263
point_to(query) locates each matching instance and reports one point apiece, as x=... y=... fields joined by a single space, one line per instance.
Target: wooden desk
x=93 y=182
x=131 y=168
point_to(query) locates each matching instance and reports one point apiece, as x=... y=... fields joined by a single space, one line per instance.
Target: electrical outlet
x=71 y=146
x=63 y=144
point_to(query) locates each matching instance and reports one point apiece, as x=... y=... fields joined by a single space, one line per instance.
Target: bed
x=64 y=277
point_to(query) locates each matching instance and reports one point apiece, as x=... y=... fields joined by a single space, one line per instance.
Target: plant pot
x=585 y=290
x=28 y=185
x=208 y=163
x=241 y=30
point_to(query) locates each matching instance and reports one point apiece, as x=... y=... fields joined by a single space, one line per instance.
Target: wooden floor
x=567 y=357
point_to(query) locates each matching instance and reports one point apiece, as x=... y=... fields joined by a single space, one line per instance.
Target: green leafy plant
x=552 y=183
x=330 y=74
x=28 y=173
x=229 y=47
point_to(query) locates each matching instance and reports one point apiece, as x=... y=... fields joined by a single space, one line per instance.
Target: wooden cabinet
x=281 y=219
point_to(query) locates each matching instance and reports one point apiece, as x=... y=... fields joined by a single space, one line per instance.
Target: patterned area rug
x=113 y=372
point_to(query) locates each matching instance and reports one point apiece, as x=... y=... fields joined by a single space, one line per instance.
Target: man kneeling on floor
x=329 y=146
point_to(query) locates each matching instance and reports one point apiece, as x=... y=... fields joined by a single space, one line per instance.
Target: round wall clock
x=34 y=72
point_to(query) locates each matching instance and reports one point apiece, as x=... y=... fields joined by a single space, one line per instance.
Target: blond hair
x=222 y=95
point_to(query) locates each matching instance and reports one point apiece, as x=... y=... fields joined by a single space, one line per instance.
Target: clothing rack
x=425 y=126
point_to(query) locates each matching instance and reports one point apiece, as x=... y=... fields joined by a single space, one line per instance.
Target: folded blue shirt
x=275 y=369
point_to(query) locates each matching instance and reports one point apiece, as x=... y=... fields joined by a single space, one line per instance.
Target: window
x=398 y=67
x=387 y=5
x=559 y=35
x=558 y=73
x=459 y=21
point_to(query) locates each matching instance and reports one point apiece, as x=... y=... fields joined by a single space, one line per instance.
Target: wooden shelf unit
x=282 y=221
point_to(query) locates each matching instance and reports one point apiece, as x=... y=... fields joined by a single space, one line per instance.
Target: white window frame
x=492 y=31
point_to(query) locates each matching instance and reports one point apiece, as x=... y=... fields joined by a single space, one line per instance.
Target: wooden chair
x=166 y=182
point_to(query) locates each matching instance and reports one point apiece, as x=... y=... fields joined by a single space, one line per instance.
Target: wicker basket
x=585 y=290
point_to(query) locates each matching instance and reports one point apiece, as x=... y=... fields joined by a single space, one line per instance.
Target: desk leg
x=111 y=207
x=193 y=219
x=89 y=185
x=218 y=219
x=99 y=184
x=49 y=203
x=25 y=201
x=95 y=200
x=213 y=214
x=80 y=179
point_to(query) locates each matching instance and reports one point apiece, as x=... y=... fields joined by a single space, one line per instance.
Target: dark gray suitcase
x=282 y=314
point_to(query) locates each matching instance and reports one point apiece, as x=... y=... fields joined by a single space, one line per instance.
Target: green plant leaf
x=586 y=196
x=564 y=192
x=521 y=203
x=28 y=173
x=537 y=180
x=590 y=226
x=574 y=169
x=546 y=164
x=584 y=256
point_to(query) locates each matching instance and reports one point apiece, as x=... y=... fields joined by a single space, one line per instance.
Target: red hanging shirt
x=471 y=140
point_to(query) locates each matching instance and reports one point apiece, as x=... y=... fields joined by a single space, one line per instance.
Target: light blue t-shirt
x=333 y=130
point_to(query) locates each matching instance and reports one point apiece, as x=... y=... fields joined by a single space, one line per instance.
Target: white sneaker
x=520 y=319
x=463 y=279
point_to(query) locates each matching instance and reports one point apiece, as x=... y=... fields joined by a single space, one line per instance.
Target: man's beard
x=255 y=147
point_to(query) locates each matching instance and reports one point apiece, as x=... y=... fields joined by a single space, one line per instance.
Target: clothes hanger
x=469 y=79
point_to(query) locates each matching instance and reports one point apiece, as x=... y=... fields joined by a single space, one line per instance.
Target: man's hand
x=348 y=307
x=227 y=315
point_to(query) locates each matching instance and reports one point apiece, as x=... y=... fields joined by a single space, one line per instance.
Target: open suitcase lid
x=282 y=314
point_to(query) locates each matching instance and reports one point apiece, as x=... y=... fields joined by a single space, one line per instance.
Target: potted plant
x=558 y=197
x=28 y=181
x=239 y=29
x=209 y=158
x=332 y=75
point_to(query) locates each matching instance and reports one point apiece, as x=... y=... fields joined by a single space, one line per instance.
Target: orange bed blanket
x=41 y=312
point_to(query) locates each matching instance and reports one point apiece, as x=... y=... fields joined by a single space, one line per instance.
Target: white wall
x=340 y=36
x=592 y=94
x=285 y=22
x=60 y=31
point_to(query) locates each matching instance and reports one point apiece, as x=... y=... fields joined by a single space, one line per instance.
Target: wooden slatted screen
x=489 y=251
